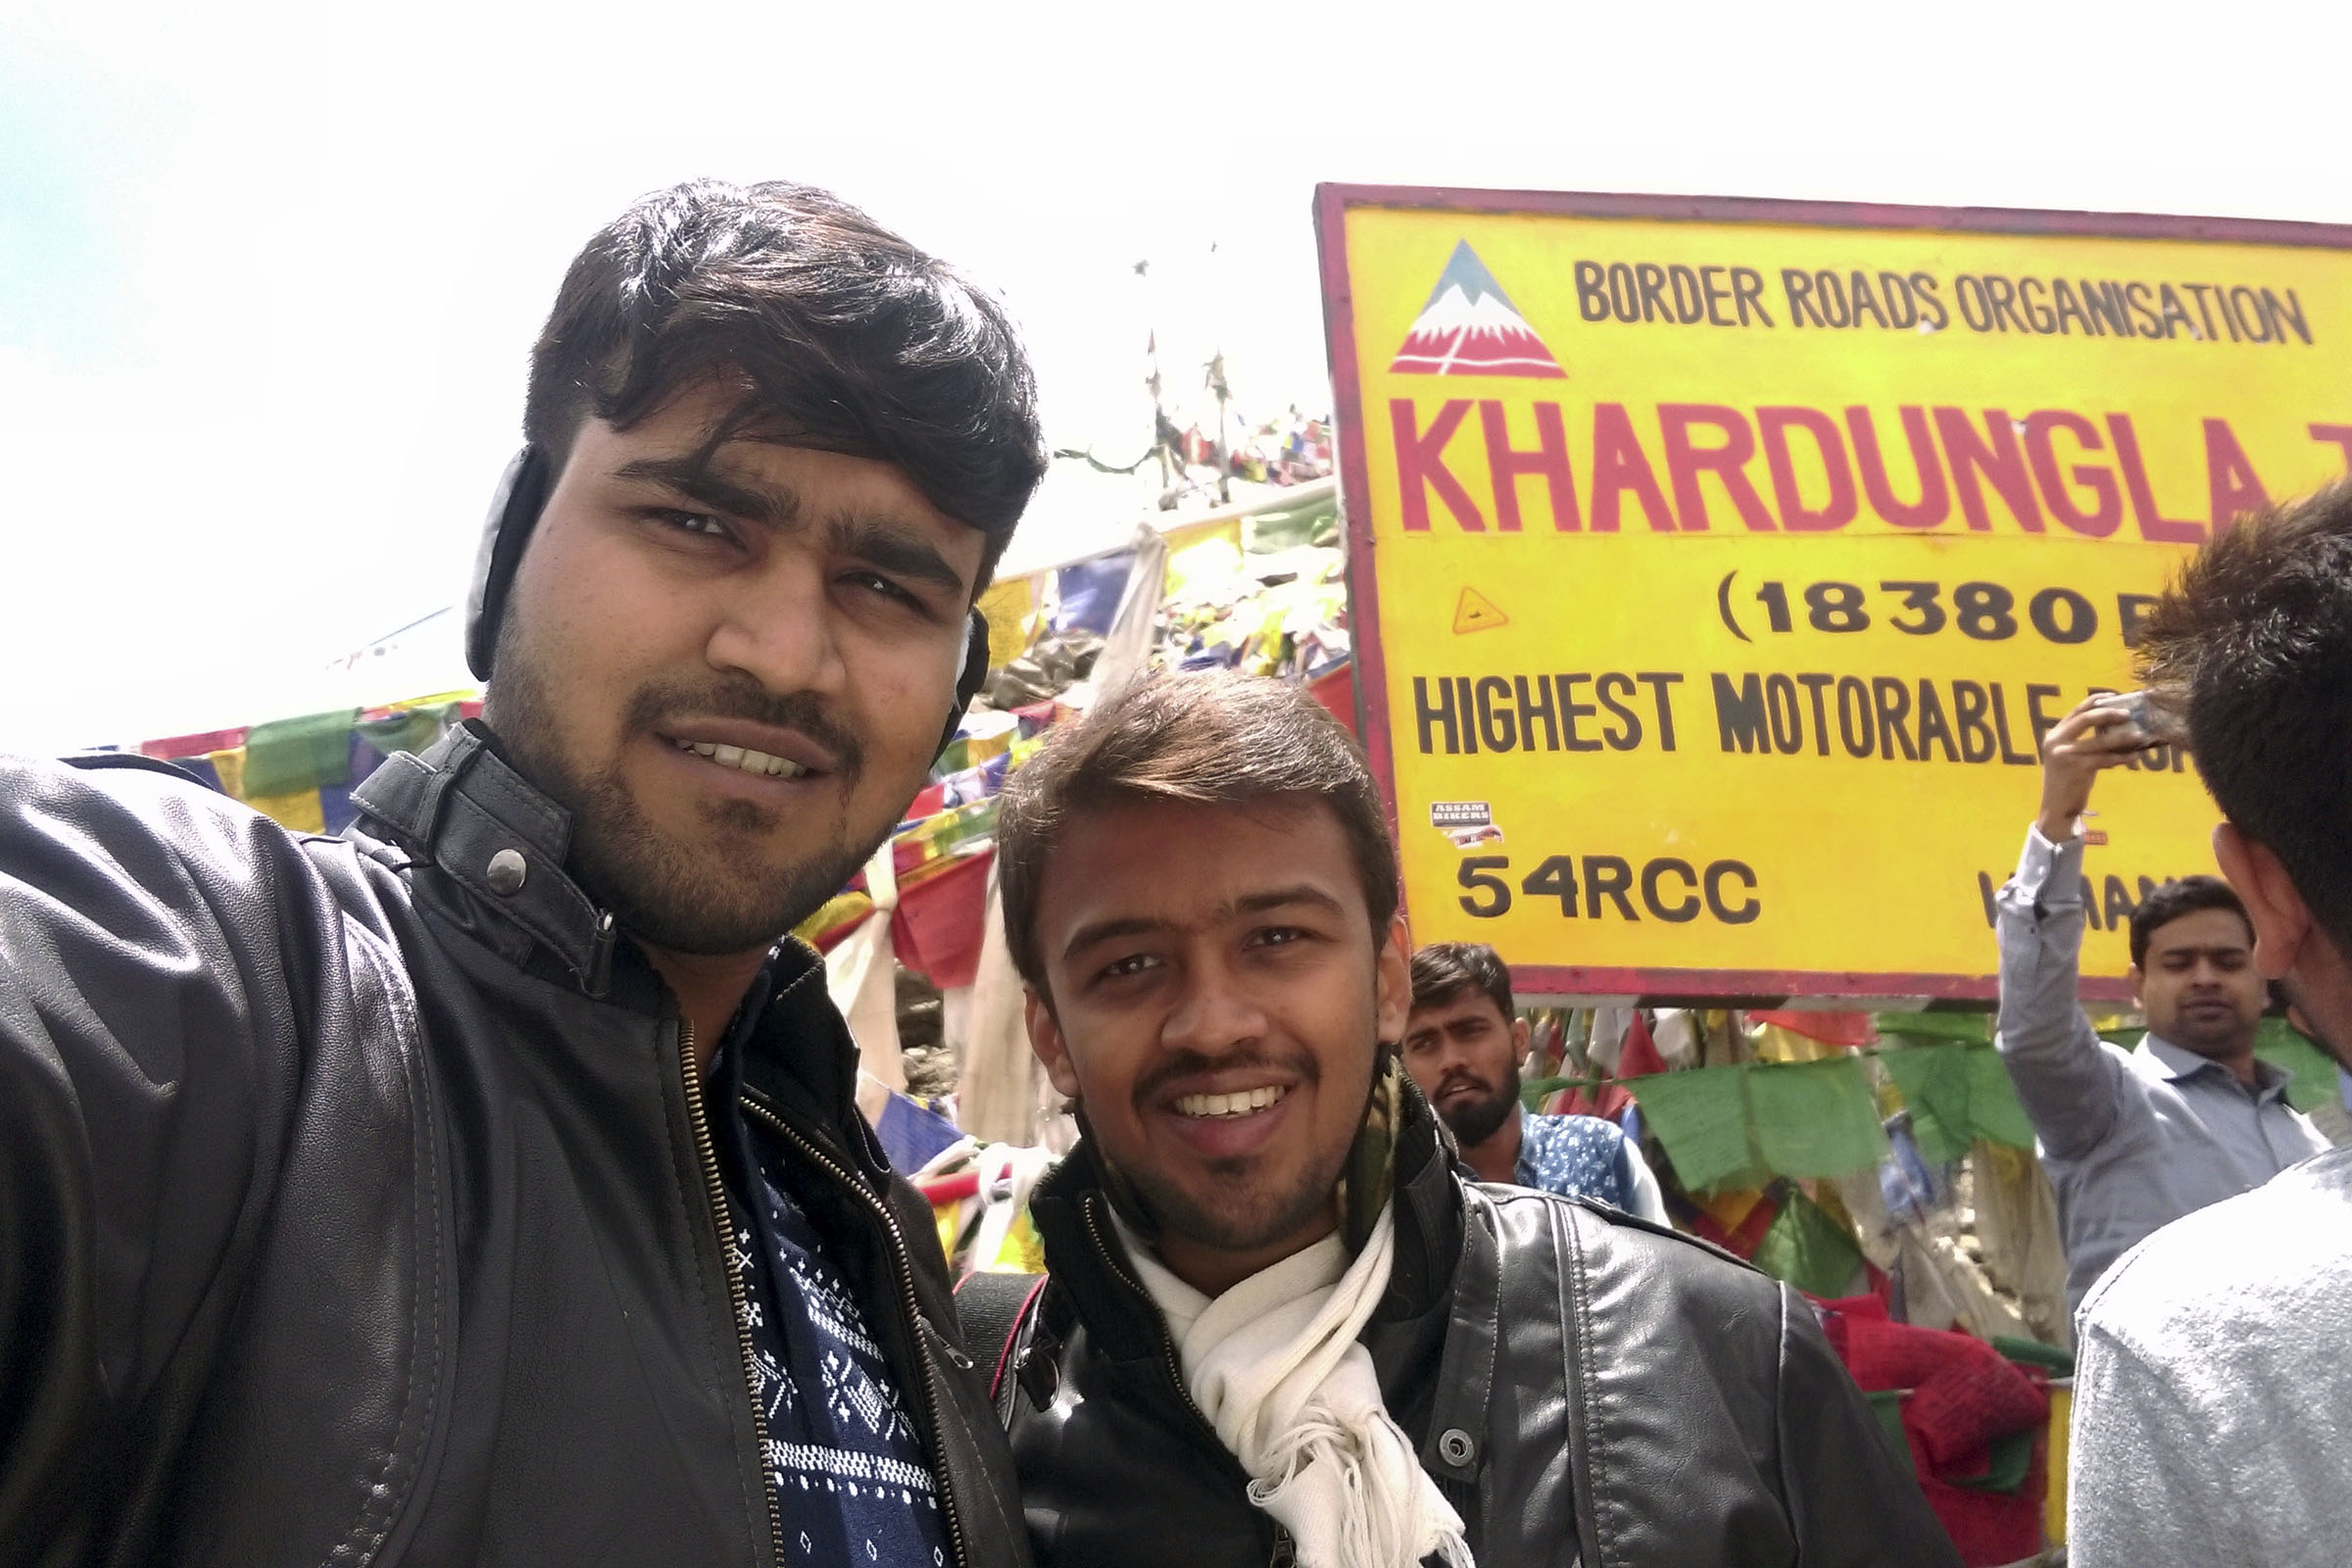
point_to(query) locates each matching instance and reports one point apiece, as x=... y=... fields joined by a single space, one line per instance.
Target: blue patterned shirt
x=852 y=1479
x=1577 y=1157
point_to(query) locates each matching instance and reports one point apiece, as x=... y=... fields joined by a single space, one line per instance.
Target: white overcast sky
x=268 y=275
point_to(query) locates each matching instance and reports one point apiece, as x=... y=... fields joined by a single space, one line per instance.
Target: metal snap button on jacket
x=507 y=870
x=1455 y=1445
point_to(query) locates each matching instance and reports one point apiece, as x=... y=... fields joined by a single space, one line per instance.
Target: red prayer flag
x=1830 y=1028
x=1336 y=691
x=939 y=921
x=1608 y=1103
x=200 y=745
x=1640 y=1056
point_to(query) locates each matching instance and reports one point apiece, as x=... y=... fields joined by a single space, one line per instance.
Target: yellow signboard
x=1717 y=566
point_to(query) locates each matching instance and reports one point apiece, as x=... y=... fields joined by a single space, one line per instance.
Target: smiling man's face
x=1218 y=996
x=732 y=672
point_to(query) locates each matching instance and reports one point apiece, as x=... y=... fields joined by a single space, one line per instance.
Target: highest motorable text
x=1760 y=714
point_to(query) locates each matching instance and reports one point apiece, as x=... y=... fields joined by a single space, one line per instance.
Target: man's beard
x=1474 y=1121
x=1229 y=1227
x=683 y=898
x=2305 y=1021
x=1217 y=1220
x=2219 y=1040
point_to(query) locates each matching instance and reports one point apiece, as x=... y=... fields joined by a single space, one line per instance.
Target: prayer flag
x=1700 y=1116
x=1815 y=1119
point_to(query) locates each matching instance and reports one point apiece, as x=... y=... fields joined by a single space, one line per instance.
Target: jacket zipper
x=902 y=1267
x=1286 y=1550
x=1167 y=1341
x=716 y=1190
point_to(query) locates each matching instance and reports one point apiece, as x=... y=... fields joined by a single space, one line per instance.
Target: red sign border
x=1331 y=202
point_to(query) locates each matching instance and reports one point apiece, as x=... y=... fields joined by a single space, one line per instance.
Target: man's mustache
x=745 y=698
x=1461 y=1080
x=1192 y=1063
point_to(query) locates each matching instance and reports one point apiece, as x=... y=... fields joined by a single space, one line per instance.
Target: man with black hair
x=2133 y=1140
x=485 y=1185
x=2212 y=1380
x=1277 y=1326
x=1463 y=1043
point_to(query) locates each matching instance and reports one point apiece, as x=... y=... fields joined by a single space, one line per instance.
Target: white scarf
x=1274 y=1365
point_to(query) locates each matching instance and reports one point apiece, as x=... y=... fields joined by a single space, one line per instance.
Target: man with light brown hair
x=1277 y=1325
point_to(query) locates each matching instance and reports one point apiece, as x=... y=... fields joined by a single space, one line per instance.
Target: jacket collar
x=461 y=808
x=1071 y=1211
x=797 y=1057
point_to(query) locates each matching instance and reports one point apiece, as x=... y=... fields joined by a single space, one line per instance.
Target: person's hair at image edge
x=1443 y=970
x=836 y=333
x=2173 y=899
x=1212 y=737
x=2257 y=635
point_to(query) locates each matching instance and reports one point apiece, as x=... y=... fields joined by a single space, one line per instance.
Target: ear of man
x=2289 y=944
x=1393 y=983
x=1046 y=1039
x=2275 y=908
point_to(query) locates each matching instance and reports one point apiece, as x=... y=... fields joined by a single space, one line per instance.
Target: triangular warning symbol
x=1475 y=611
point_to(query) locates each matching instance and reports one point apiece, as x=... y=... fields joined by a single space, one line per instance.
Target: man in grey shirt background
x=2133 y=1140
x=2211 y=1391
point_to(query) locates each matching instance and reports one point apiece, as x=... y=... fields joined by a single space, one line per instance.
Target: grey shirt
x=2212 y=1385
x=2131 y=1140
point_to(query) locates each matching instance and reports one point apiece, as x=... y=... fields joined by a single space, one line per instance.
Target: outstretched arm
x=135 y=1079
x=2067 y=1084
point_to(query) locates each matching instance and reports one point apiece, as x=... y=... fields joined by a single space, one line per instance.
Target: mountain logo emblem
x=1470 y=327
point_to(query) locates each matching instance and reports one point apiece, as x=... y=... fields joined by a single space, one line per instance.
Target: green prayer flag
x=1807 y=1248
x=1700 y=1115
x=1316 y=522
x=1815 y=1119
x=1533 y=1095
x=1933 y=1081
x=409 y=729
x=2311 y=1073
x=976 y=819
x=2010 y=1458
x=2033 y=1353
x=299 y=754
x=1969 y=1028
x=1992 y=1108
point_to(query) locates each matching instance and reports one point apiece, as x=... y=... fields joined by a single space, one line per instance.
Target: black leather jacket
x=354 y=1212
x=1587 y=1389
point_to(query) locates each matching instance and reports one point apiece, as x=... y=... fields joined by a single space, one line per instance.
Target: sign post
x=1717 y=566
